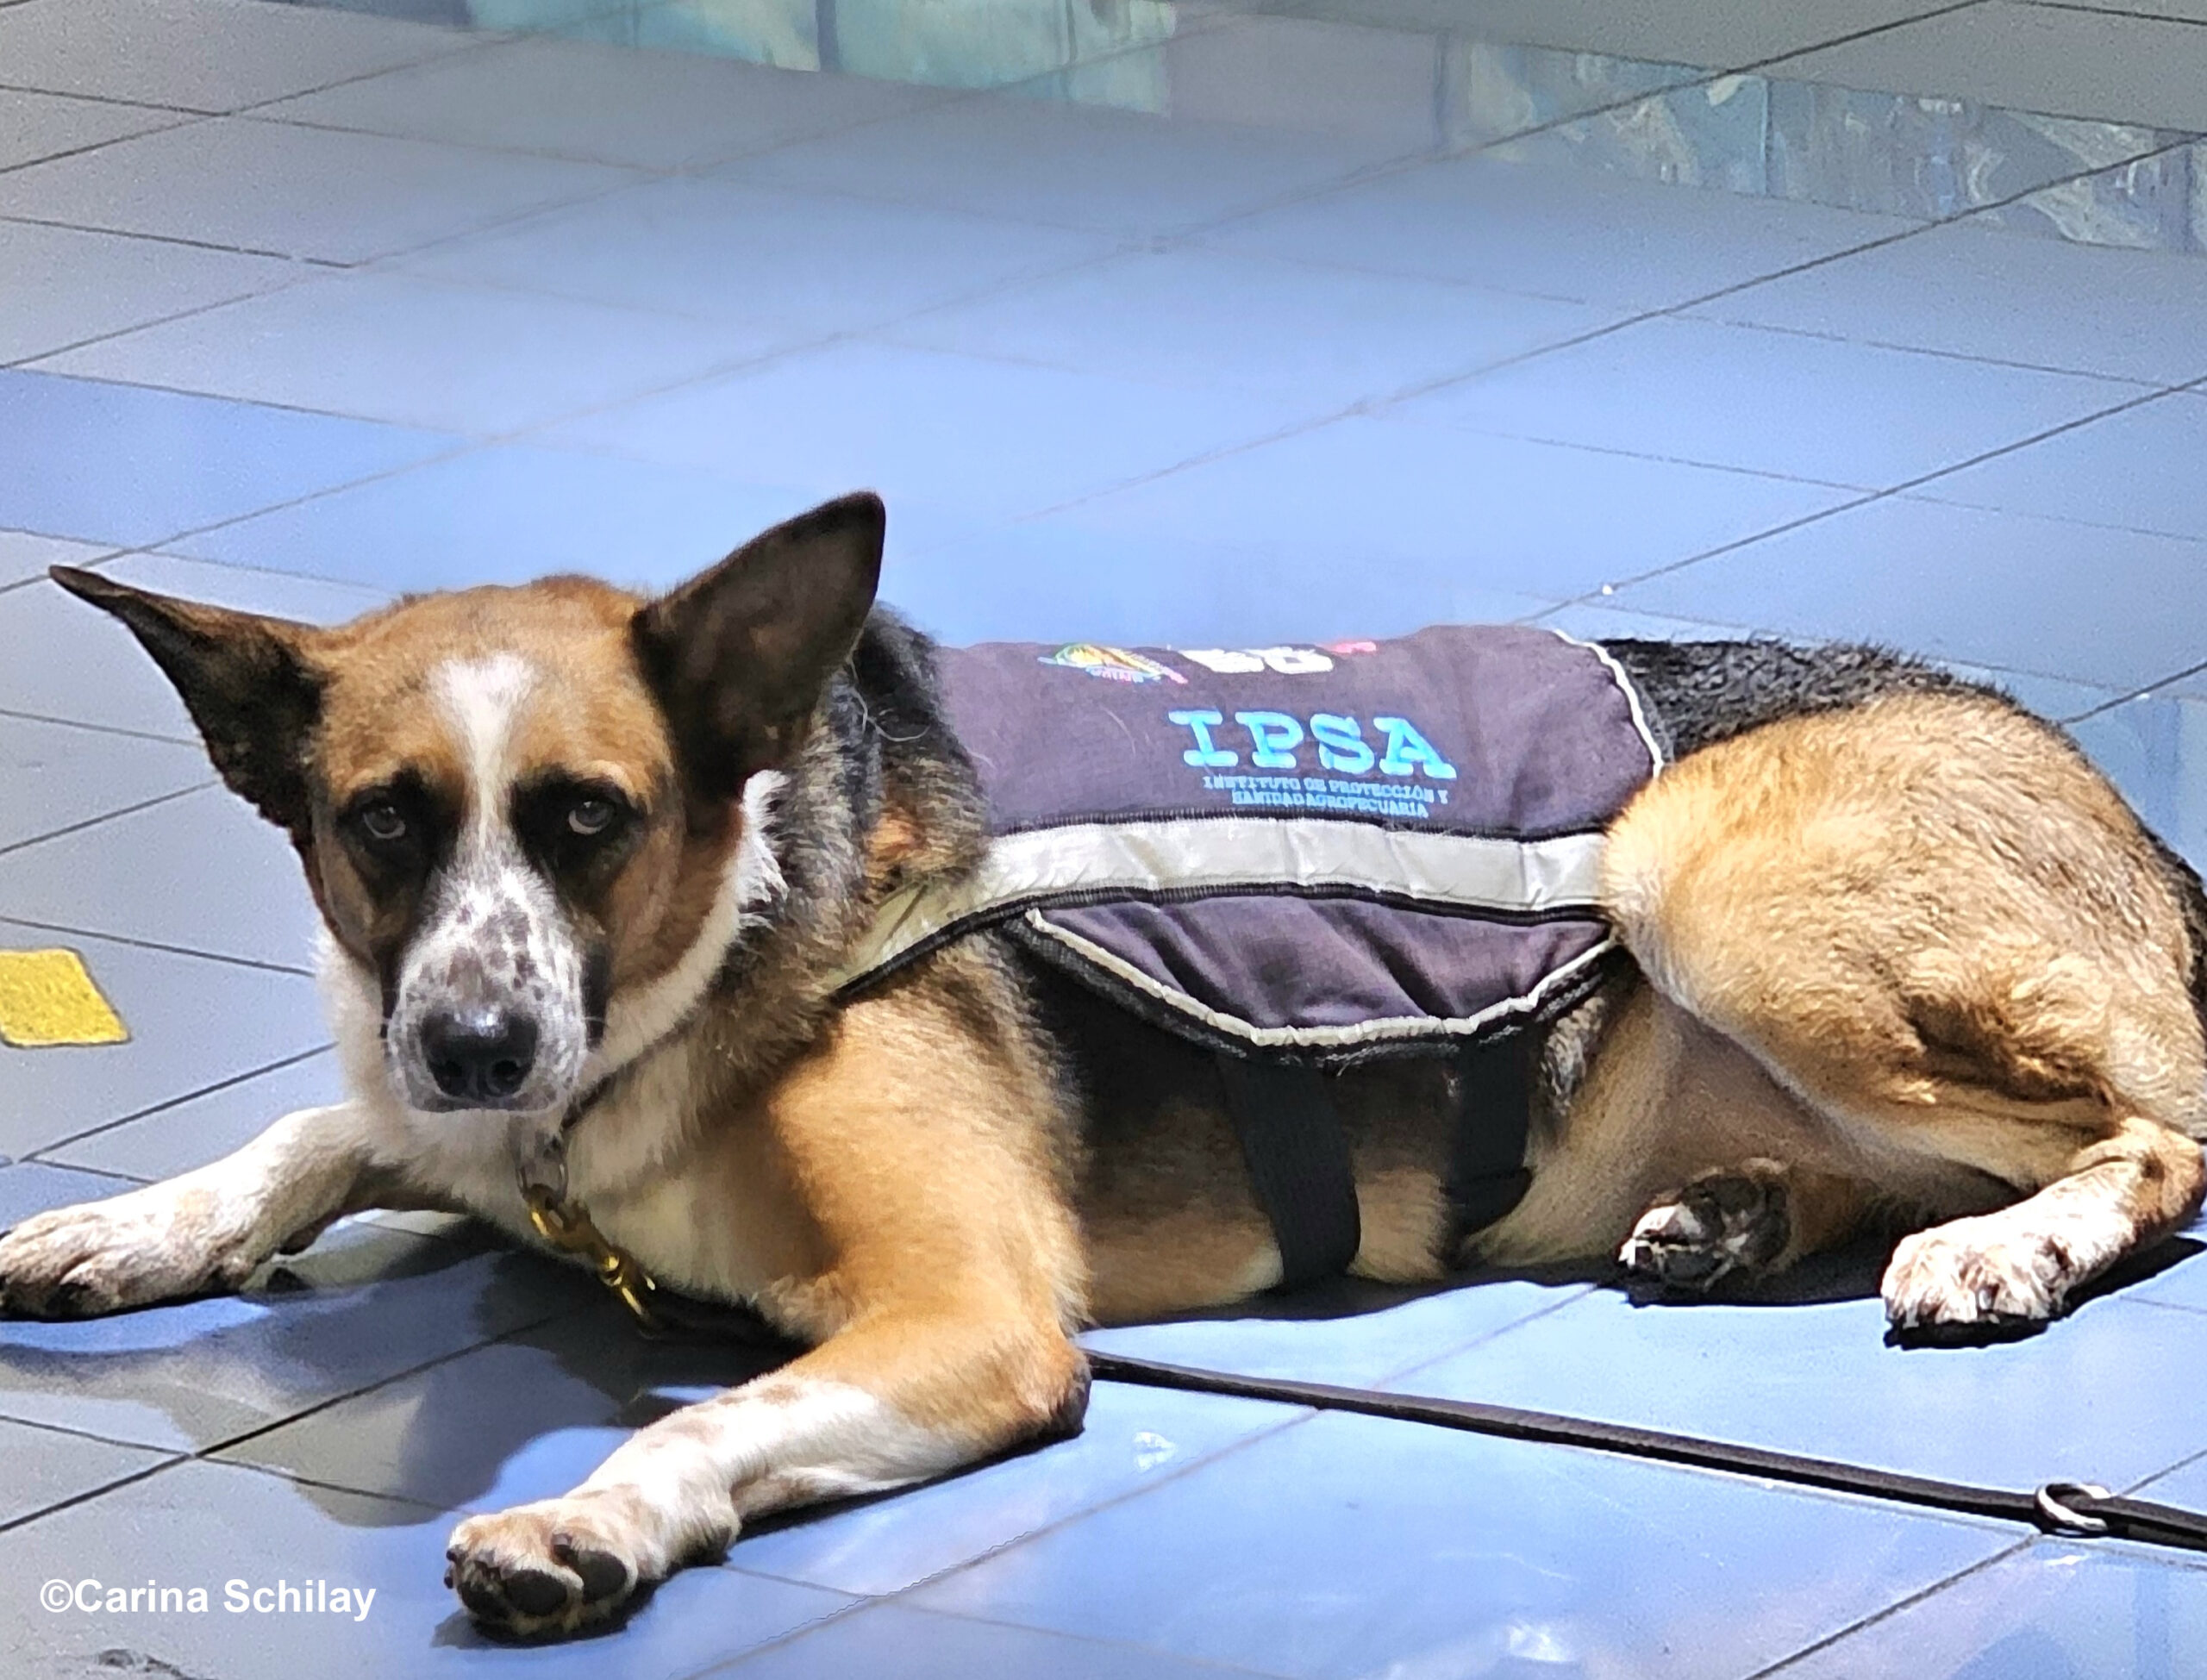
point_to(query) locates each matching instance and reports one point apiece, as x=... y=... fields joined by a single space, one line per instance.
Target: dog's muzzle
x=480 y=1058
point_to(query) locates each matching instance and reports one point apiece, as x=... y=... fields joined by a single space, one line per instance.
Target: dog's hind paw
x=1721 y=1223
x=1982 y=1274
x=551 y=1567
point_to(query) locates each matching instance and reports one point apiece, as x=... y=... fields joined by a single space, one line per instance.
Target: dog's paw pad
x=1720 y=1224
x=1976 y=1274
x=537 y=1569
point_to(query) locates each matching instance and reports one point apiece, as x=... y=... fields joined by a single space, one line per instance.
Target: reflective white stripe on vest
x=1231 y=853
x=1377 y=1030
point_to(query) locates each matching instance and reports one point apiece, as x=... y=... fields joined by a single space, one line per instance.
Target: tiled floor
x=1219 y=321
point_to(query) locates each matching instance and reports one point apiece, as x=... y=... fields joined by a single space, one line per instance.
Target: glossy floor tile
x=2111 y=471
x=41 y=1468
x=200 y=55
x=1315 y=341
x=204 y=1524
x=1558 y=232
x=1492 y=1552
x=198 y=1129
x=2062 y=60
x=78 y=286
x=790 y=267
x=1726 y=397
x=45 y=125
x=1191 y=322
x=1024 y=438
x=59 y=778
x=518 y=511
x=2049 y=1611
x=2087 y=603
x=1068 y=166
x=1973 y=289
x=365 y=1305
x=24 y=557
x=1432 y=503
x=418 y=351
x=247 y=898
x=1345 y=1331
x=921 y=1644
x=284 y=190
x=1059 y=579
x=600 y=104
x=1819 y=1378
x=125 y=465
x=193 y=1022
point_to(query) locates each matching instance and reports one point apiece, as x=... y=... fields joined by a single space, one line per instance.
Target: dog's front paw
x=149 y=1244
x=1721 y=1223
x=549 y=1568
x=1982 y=1273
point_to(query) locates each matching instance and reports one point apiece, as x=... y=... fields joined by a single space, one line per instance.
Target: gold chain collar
x=568 y=1228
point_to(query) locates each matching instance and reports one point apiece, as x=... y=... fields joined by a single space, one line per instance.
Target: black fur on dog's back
x=1698 y=693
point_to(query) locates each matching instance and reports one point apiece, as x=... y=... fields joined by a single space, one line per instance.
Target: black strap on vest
x=1298 y=1157
x=1298 y=1160
x=1487 y=1174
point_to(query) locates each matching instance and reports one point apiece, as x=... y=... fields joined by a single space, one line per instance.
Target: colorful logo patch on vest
x=1114 y=665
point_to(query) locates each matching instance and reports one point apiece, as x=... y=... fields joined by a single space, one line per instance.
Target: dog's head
x=531 y=816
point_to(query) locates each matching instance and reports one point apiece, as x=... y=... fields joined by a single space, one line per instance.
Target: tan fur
x=1912 y=960
x=1938 y=929
x=587 y=715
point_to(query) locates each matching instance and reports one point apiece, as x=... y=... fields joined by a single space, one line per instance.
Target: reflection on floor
x=1207 y=322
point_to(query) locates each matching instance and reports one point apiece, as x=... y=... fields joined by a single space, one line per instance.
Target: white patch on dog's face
x=494 y=944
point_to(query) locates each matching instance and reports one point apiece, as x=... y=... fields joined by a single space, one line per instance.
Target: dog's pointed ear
x=246 y=680
x=739 y=655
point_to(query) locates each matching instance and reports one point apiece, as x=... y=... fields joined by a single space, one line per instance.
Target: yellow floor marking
x=46 y=997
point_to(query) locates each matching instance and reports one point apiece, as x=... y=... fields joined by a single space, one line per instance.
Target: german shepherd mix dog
x=1899 y=957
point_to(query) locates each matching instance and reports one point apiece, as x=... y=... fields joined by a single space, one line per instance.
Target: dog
x=1892 y=955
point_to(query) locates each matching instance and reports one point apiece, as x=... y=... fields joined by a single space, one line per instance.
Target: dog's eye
x=383 y=823
x=591 y=817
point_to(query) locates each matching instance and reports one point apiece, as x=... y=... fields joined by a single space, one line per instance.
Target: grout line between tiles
x=2114 y=11
x=6 y=86
x=1906 y=1601
x=1685 y=312
x=228 y=1443
x=41 y=1156
x=1618 y=585
x=230 y=958
x=167 y=239
x=734 y=1665
x=94 y=821
x=1375 y=406
x=50 y=351
x=136 y=1476
x=95 y=145
x=729 y=368
x=96 y=728
x=86 y=1436
x=1909 y=1601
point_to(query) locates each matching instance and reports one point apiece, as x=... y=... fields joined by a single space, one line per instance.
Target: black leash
x=2080 y=1510
x=2077 y=1509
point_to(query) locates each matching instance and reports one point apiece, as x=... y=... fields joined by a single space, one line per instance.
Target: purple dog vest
x=1315 y=854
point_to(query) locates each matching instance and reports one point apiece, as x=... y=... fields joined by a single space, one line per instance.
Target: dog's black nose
x=480 y=1056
